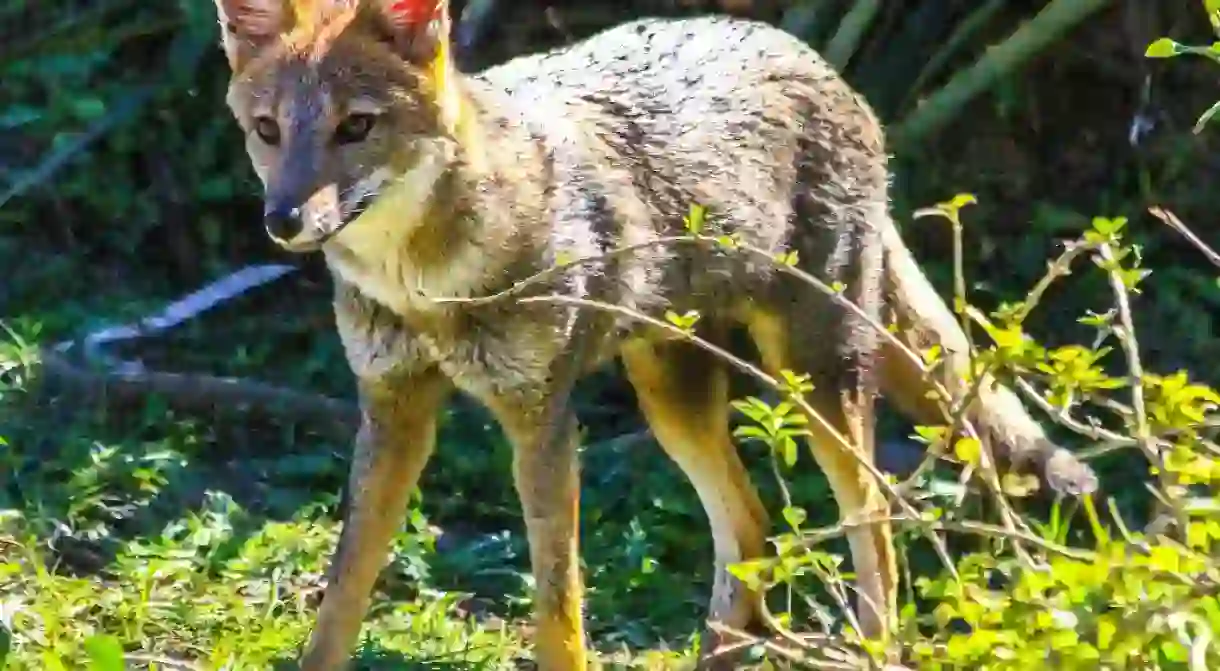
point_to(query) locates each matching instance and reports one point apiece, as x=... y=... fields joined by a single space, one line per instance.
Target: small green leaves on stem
x=778 y=427
x=949 y=209
x=795 y=386
x=685 y=321
x=695 y=219
x=1168 y=48
x=789 y=258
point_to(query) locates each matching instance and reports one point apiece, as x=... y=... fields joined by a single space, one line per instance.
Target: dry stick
x=776 y=649
x=817 y=536
x=128 y=381
x=769 y=619
x=199 y=393
x=522 y=286
x=163 y=662
x=1171 y=220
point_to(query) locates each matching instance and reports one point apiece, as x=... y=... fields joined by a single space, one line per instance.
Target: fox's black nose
x=283 y=223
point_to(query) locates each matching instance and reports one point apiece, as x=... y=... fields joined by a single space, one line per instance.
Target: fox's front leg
x=395 y=440
x=546 y=475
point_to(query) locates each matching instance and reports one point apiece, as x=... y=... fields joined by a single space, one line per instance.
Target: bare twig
x=163 y=662
x=1130 y=345
x=1171 y=220
x=758 y=374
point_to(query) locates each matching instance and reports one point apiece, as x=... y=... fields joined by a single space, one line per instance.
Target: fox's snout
x=303 y=224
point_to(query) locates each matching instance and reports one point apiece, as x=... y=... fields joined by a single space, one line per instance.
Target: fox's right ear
x=246 y=26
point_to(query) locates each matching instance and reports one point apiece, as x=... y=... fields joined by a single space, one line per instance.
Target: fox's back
x=678 y=73
x=737 y=115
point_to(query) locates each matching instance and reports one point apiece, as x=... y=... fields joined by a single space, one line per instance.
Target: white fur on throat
x=371 y=252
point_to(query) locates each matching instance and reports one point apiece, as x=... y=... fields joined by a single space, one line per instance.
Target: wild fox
x=418 y=183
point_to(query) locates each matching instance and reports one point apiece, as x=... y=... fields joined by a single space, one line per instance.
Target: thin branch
x=1171 y=220
x=1130 y=345
x=758 y=374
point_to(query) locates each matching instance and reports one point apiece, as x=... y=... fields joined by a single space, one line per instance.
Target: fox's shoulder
x=662 y=61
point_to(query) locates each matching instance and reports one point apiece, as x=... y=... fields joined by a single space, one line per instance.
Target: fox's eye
x=354 y=128
x=267 y=130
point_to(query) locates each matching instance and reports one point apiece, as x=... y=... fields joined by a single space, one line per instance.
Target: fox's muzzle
x=303 y=224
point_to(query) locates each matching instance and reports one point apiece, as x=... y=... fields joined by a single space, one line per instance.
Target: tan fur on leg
x=683 y=393
x=855 y=490
x=548 y=486
x=395 y=441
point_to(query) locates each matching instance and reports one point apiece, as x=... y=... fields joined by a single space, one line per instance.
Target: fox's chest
x=394 y=280
x=487 y=353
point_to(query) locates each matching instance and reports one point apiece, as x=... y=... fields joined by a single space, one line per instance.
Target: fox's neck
x=462 y=222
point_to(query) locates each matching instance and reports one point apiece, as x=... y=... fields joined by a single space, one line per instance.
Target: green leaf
x=789 y=453
x=795 y=516
x=1163 y=48
x=695 y=219
x=1019 y=485
x=1212 y=7
x=105 y=653
x=1206 y=117
x=969 y=450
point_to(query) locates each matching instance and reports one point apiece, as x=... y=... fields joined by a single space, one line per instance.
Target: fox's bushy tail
x=924 y=319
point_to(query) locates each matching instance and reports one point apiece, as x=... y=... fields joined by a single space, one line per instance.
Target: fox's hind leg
x=848 y=408
x=683 y=394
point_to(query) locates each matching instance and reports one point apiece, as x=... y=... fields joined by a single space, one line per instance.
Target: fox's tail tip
x=1066 y=474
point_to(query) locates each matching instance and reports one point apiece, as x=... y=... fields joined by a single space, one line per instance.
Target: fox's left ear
x=419 y=28
x=246 y=26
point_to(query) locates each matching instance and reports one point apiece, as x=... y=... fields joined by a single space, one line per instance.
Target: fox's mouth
x=314 y=238
x=347 y=216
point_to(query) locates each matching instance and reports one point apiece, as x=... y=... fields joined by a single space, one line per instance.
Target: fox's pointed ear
x=246 y=26
x=419 y=28
x=419 y=31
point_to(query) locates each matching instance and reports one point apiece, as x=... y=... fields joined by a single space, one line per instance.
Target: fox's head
x=340 y=100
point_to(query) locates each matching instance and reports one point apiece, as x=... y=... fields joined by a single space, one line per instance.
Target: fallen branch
x=193 y=392
x=83 y=370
